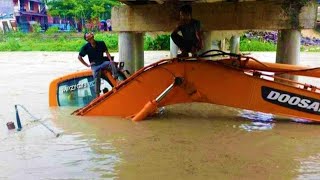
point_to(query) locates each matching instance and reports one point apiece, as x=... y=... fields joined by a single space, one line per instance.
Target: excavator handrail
x=239 y=57
x=243 y=61
x=288 y=71
x=220 y=53
x=243 y=58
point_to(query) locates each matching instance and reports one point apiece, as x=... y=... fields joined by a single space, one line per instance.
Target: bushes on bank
x=52 y=40
x=159 y=42
x=256 y=45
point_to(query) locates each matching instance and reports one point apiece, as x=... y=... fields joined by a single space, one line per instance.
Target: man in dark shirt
x=190 y=41
x=95 y=49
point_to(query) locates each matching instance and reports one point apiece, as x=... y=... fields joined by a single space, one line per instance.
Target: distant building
x=7 y=19
x=23 y=13
x=28 y=12
x=6 y=9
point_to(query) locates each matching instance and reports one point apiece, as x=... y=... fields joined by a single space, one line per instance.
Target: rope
x=31 y=115
x=38 y=120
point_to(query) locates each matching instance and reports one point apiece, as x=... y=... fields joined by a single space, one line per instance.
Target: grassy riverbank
x=70 y=41
x=18 y=41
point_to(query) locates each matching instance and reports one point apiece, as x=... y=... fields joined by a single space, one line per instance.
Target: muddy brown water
x=194 y=141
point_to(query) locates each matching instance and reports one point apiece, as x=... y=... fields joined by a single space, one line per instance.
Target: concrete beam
x=214 y=16
x=159 y=1
x=207 y=42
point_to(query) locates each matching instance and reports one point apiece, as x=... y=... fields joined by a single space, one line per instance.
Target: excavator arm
x=232 y=80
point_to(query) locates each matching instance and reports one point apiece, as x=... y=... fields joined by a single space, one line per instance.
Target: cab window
x=78 y=91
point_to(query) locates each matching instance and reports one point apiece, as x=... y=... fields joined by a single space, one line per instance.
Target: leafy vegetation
x=256 y=45
x=267 y=40
x=160 y=42
x=293 y=9
x=82 y=9
x=52 y=40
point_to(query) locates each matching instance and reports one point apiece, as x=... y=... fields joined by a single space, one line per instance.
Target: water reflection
x=310 y=168
x=303 y=121
x=260 y=121
x=36 y=153
x=194 y=141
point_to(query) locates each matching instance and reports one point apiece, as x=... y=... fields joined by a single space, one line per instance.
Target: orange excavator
x=214 y=77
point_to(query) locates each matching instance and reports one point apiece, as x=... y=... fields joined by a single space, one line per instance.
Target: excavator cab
x=78 y=89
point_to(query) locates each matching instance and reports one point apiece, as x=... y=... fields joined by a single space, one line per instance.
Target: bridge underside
x=151 y=16
x=219 y=20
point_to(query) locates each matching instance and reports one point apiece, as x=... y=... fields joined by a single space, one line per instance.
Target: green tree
x=82 y=9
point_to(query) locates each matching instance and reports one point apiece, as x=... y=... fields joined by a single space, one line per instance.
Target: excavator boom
x=236 y=81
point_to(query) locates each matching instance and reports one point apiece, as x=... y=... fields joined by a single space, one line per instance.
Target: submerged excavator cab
x=77 y=89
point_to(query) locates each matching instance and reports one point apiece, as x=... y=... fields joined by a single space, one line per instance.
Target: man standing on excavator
x=95 y=50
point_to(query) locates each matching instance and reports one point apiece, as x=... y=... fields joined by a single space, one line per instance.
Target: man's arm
x=108 y=55
x=106 y=50
x=199 y=35
x=83 y=53
x=82 y=61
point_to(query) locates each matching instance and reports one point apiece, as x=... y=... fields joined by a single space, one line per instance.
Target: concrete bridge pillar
x=288 y=48
x=131 y=50
x=207 y=41
x=173 y=49
x=222 y=45
x=235 y=44
x=139 y=51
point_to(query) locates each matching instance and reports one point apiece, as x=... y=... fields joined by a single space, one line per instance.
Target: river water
x=195 y=141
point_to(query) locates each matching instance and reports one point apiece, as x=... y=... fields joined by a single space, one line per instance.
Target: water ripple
x=257 y=126
x=71 y=157
x=310 y=168
x=260 y=121
x=256 y=116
